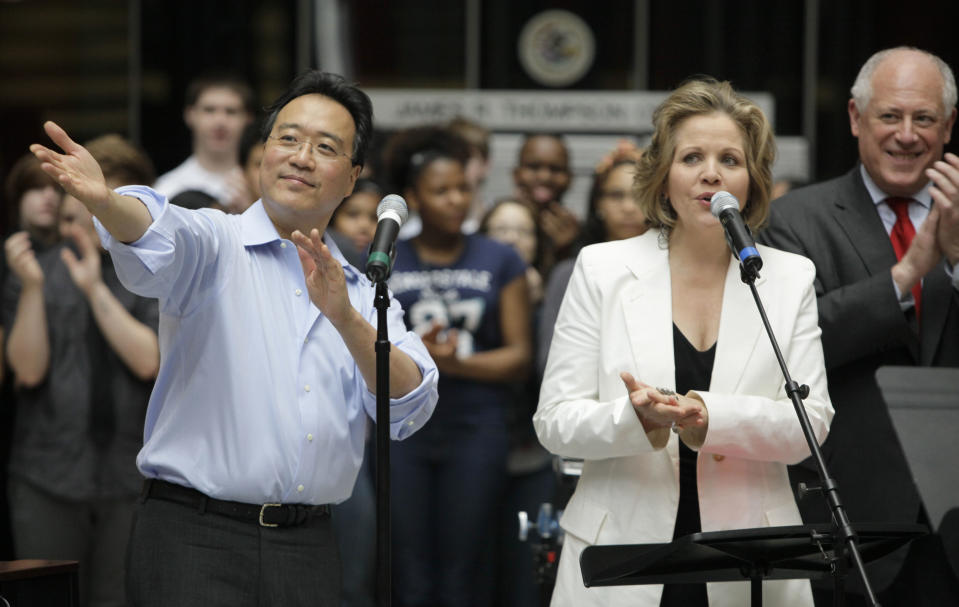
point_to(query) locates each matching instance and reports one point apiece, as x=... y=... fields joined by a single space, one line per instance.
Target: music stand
x=765 y=553
x=924 y=406
x=923 y=403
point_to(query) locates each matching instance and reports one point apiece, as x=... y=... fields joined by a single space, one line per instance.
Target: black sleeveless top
x=693 y=370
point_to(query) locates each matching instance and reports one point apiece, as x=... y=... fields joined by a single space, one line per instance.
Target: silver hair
x=862 y=88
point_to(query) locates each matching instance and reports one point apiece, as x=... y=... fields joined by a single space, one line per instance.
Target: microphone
x=725 y=207
x=391 y=213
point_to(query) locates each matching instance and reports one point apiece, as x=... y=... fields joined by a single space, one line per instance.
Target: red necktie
x=901 y=236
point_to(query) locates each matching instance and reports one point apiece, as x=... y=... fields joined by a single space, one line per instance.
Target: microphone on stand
x=391 y=214
x=726 y=208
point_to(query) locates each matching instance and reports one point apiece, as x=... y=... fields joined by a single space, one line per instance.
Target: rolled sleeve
x=410 y=412
x=175 y=254
x=154 y=243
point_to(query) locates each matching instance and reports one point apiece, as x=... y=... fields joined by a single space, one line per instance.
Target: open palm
x=74 y=169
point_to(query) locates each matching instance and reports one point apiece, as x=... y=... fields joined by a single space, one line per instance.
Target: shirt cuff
x=411 y=411
x=952 y=274
x=905 y=303
x=155 y=242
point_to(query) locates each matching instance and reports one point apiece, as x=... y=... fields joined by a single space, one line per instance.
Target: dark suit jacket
x=836 y=225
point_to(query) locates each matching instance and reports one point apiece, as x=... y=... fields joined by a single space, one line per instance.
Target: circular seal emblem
x=556 y=48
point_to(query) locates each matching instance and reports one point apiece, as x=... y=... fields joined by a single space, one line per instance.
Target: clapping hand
x=22 y=259
x=657 y=410
x=945 y=193
x=560 y=225
x=441 y=345
x=85 y=271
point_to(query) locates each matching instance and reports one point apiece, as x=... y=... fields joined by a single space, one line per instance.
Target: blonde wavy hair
x=702 y=97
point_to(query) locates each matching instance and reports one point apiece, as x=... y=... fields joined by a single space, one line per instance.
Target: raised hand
x=922 y=255
x=560 y=225
x=945 y=194
x=626 y=149
x=75 y=169
x=85 y=271
x=22 y=260
x=325 y=279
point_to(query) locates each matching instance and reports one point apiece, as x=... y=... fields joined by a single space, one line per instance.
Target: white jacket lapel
x=740 y=328
x=647 y=310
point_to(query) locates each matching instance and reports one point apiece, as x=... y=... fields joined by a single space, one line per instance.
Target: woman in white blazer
x=666 y=310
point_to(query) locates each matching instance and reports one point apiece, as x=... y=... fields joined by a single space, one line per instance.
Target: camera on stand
x=544 y=534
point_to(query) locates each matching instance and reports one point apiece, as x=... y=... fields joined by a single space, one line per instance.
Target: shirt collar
x=923 y=196
x=257 y=229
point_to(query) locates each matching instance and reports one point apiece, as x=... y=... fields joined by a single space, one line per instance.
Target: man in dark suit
x=885 y=241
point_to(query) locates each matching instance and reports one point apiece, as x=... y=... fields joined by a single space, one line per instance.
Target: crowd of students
x=471 y=274
x=481 y=282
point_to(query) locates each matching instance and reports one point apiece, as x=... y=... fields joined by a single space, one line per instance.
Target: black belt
x=266 y=515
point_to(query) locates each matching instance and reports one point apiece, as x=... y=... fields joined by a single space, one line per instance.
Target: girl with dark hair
x=466 y=296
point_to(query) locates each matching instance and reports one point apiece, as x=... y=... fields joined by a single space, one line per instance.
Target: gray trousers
x=94 y=533
x=181 y=556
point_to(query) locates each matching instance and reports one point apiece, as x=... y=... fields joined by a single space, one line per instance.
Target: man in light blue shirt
x=257 y=420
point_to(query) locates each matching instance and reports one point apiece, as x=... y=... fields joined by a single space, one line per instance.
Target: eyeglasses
x=291 y=144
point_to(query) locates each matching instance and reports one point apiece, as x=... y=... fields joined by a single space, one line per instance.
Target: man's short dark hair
x=335 y=87
x=225 y=80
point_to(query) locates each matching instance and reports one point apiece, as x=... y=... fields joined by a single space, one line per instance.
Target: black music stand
x=924 y=406
x=765 y=553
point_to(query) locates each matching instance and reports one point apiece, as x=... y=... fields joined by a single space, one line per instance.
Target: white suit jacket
x=617 y=316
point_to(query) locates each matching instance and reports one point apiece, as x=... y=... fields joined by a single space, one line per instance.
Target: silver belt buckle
x=262 y=510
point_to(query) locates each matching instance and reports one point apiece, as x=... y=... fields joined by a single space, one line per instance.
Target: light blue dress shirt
x=258 y=399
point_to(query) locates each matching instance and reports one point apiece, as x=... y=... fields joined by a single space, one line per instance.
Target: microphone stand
x=842 y=528
x=379 y=265
x=382 y=304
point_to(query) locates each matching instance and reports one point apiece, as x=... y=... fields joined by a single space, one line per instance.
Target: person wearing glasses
x=267 y=371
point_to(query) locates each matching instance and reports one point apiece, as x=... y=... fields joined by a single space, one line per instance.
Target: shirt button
x=300 y=488
x=307 y=387
x=718 y=458
x=309 y=437
x=282 y=245
x=298 y=292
